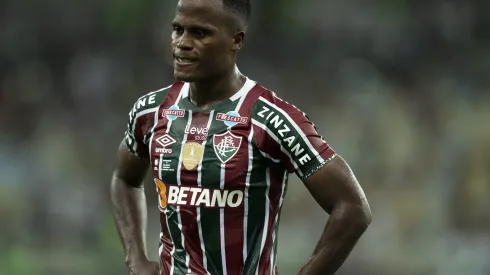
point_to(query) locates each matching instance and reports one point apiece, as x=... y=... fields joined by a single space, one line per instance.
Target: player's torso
x=193 y=151
x=218 y=207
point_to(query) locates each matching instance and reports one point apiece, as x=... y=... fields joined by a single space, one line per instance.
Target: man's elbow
x=359 y=216
x=364 y=217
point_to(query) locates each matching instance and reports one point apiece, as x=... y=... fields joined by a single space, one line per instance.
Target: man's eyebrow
x=206 y=26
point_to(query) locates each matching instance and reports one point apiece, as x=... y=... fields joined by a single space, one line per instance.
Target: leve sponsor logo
x=200 y=133
x=197 y=196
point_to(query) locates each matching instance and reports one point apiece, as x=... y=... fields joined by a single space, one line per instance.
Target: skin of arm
x=337 y=191
x=130 y=211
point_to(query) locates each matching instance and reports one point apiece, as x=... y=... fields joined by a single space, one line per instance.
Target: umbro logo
x=165 y=141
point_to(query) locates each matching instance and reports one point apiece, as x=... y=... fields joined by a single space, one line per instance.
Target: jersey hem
x=318 y=167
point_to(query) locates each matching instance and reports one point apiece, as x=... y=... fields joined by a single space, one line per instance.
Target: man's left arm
x=337 y=191
x=289 y=135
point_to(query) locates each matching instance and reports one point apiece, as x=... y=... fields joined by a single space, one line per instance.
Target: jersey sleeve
x=285 y=135
x=139 y=125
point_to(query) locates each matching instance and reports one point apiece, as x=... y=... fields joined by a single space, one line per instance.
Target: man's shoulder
x=269 y=102
x=150 y=101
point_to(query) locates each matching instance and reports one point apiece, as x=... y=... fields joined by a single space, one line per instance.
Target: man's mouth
x=184 y=61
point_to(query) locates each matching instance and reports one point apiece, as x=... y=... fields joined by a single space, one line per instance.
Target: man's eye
x=199 y=33
x=178 y=30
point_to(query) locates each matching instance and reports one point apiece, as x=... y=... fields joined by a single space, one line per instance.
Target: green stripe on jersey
x=210 y=217
x=256 y=213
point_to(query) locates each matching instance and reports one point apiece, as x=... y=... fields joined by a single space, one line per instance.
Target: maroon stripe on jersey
x=173 y=94
x=269 y=146
x=233 y=217
x=250 y=99
x=197 y=132
x=139 y=132
x=275 y=192
x=170 y=100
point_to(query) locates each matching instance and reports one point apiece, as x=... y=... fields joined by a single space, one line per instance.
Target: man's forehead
x=200 y=6
x=201 y=13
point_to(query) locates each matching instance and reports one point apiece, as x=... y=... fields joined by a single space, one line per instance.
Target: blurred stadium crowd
x=399 y=88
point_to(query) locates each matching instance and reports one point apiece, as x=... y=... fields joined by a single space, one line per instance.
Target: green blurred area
x=399 y=88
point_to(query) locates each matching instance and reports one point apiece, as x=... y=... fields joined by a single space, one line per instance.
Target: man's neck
x=206 y=93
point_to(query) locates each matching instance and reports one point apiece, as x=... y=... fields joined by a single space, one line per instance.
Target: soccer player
x=220 y=148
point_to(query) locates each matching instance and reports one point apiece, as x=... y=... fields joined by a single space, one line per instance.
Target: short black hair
x=241 y=8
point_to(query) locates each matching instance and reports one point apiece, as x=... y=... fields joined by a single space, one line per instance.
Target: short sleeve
x=286 y=135
x=139 y=124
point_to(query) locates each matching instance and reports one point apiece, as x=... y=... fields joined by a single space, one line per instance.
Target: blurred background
x=399 y=88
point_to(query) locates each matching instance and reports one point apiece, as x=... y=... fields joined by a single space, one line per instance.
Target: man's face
x=202 y=43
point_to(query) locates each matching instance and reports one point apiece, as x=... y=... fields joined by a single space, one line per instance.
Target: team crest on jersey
x=231 y=118
x=192 y=154
x=226 y=145
x=173 y=112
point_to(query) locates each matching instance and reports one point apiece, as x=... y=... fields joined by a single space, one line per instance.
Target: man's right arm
x=130 y=213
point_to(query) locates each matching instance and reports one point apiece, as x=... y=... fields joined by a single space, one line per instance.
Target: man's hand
x=144 y=268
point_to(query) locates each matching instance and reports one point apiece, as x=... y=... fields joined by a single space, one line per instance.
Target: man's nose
x=184 y=42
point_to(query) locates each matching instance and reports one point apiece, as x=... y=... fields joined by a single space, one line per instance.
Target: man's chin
x=185 y=77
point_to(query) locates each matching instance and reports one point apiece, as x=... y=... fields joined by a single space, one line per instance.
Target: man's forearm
x=130 y=214
x=344 y=227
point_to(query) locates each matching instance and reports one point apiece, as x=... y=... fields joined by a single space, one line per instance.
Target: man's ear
x=238 y=39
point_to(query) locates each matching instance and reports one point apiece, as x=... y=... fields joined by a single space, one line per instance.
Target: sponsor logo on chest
x=164 y=141
x=199 y=133
x=173 y=113
x=197 y=196
x=231 y=118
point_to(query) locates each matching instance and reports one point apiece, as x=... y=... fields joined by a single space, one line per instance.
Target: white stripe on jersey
x=247 y=186
x=278 y=141
x=172 y=266
x=300 y=132
x=269 y=156
x=266 y=219
x=155 y=122
x=181 y=95
x=179 y=167
x=198 y=209
x=135 y=144
x=222 y=221
x=242 y=93
x=185 y=90
x=274 y=236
